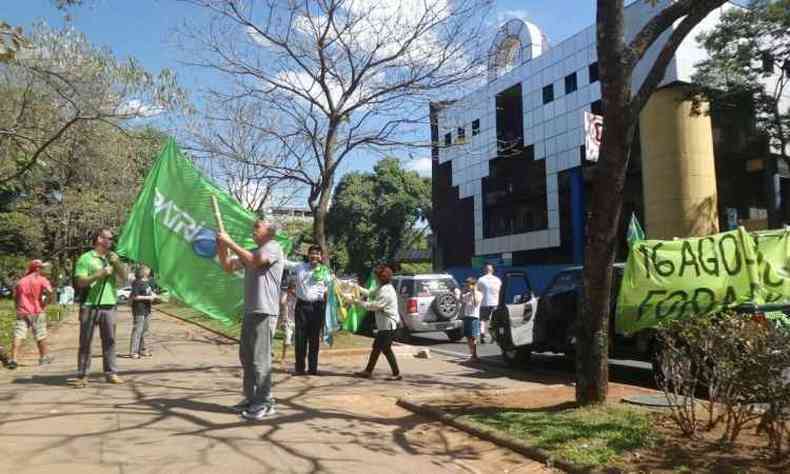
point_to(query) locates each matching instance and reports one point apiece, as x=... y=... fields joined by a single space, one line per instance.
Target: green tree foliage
x=61 y=80
x=749 y=56
x=374 y=215
x=74 y=149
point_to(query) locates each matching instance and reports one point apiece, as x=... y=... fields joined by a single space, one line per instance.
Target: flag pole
x=217 y=215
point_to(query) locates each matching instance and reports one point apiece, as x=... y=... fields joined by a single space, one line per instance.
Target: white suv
x=428 y=303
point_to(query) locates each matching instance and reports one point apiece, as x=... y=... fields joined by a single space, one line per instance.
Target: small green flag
x=172 y=230
x=635 y=232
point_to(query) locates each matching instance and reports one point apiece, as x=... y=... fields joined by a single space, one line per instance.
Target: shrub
x=742 y=361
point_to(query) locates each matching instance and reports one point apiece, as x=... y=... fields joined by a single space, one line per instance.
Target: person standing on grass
x=311 y=284
x=31 y=295
x=384 y=301
x=263 y=271
x=471 y=298
x=489 y=284
x=142 y=296
x=98 y=272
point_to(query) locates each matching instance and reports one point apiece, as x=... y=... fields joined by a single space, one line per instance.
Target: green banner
x=687 y=277
x=172 y=229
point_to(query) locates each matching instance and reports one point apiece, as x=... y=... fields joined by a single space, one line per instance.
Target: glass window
x=548 y=93
x=593 y=69
x=570 y=83
x=461 y=134
x=564 y=282
x=475 y=127
x=448 y=139
x=406 y=288
x=433 y=287
x=517 y=289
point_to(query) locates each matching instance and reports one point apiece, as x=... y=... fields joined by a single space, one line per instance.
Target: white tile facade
x=555 y=129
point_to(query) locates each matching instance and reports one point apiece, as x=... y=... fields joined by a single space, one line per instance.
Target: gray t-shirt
x=262 y=286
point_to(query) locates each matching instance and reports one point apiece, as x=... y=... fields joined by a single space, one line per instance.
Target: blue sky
x=144 y=29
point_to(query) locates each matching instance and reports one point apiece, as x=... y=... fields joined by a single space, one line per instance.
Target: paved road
x=621 y=370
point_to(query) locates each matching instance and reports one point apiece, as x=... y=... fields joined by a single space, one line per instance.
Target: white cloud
x=257 y=37
x=138 y=108
x=422 y=166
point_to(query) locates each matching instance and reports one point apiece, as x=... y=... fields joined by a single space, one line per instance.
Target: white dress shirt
x=307 y=287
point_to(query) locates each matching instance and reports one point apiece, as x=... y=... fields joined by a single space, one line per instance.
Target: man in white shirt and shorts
x=489 y=284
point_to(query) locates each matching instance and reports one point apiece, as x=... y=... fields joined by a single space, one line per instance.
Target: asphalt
x=621 y=370
x=172 y=415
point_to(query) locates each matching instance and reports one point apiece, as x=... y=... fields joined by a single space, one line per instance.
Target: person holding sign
x=263 y=270
x=97 y=272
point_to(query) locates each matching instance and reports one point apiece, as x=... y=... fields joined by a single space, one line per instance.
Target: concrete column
x=678 y=167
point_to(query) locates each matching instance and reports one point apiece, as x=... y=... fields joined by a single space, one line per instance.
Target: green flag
x=635 y=232
x=172 y=230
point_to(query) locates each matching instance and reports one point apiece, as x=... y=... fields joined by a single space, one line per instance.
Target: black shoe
x=298 y=373
x=12 y=364
x=312 y=372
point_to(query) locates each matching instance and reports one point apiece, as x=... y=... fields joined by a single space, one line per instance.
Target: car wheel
x=455 y=335
x=517 y=356
x=445 y=306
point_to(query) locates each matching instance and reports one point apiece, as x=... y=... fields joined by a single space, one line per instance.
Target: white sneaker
x=258 y=415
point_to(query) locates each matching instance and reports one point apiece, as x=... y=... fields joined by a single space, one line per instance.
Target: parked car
x=549 y=324
x=5 y=292
x=428 y=303
x=124 y=294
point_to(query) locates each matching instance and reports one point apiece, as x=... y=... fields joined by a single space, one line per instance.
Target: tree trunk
x=320 y=214
x=592 y=355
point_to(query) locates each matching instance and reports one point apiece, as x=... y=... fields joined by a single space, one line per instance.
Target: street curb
x=399 y=349
x=497 y=438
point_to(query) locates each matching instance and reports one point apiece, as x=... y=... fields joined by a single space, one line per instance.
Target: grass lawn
x=585 y=436
x=8 y=316
x=342 y=340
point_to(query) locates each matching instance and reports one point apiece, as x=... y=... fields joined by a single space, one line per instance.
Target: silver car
x=428 y=303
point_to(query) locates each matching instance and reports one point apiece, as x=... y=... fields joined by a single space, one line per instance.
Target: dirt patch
x=674 y=453
x=677 y=453
x=554 y=397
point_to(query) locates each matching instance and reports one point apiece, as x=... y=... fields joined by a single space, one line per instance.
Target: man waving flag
x=172 y=230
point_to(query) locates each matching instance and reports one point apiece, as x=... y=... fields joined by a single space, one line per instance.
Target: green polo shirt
x=88 y=264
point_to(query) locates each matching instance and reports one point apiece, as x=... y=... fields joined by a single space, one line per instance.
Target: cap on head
x=36 y=265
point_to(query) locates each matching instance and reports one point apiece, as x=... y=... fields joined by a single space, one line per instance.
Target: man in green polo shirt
x=97 y=272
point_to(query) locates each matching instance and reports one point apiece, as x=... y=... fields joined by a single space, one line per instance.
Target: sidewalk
x=172 y=415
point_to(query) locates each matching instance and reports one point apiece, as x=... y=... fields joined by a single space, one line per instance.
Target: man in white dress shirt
x=309 y=314
x=489 y=284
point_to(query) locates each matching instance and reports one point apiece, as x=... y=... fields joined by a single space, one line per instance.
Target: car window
x=424 y=288
x=564 y=282
x=406 y=288
x=517 y=288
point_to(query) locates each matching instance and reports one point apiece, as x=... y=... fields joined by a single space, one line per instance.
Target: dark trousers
x=103 y=317
x=309 y=319
x=383 y=344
